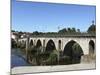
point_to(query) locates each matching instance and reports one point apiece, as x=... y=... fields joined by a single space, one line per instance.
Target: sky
x=50 y=17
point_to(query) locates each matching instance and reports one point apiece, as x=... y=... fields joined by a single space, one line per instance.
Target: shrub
x=52 y=59
x=64 y=60
x=77 y=53
x=77 y=50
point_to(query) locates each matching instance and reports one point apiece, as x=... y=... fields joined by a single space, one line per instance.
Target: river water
x=18 y=58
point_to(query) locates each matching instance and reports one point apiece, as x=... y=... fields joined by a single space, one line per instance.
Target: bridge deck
x=64 y=35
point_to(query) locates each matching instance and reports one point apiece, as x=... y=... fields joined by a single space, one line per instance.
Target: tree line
x=91 y=29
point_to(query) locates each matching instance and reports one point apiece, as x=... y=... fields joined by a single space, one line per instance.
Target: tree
x=12 y=30
x=92 y=28
x=73 y=30
x=78 y=30
x=36 y=33
x=62 y=31
x=77 y=50
x=69 y=29
x=52 y=59
x=76 y=53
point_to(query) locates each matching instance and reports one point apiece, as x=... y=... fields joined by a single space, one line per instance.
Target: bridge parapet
x=65 y=35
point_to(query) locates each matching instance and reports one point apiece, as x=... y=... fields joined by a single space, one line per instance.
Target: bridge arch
x=91 y=47
x=50 y=46
x=38 y=43
x=59 y=44
x=31 y=43
x=74 y=51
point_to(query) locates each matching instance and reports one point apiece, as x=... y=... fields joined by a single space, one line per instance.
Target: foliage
x=36 y=33
x=78 y=30
x=13 y=43
x=73 y=30
x=77 y=53
x=13 y=31
x=62 y=31
x=69 y=30
x=63 y=60
x=77 y=50
x=52 y=59
x=92 y=29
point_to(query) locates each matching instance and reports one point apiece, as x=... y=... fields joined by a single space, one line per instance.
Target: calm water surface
x=18 y=58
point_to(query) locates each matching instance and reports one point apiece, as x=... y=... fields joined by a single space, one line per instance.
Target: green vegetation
x=64 y=60
x=52 y=59
x=77 y=50
x=13 y=43
x=69 y=30
x=92 y=29
x=38 y=56
x=77 y=53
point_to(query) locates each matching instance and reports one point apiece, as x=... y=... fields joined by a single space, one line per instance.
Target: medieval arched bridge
x=59 y=43
x=62 y=44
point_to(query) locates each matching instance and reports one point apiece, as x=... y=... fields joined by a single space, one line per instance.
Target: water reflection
x=18 y=59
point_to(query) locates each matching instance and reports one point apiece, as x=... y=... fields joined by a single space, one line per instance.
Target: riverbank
x=36 y=69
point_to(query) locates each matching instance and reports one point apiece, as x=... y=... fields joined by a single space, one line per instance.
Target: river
x=18 y=58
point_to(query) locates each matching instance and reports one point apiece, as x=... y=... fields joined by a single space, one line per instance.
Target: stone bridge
x=87 y=43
